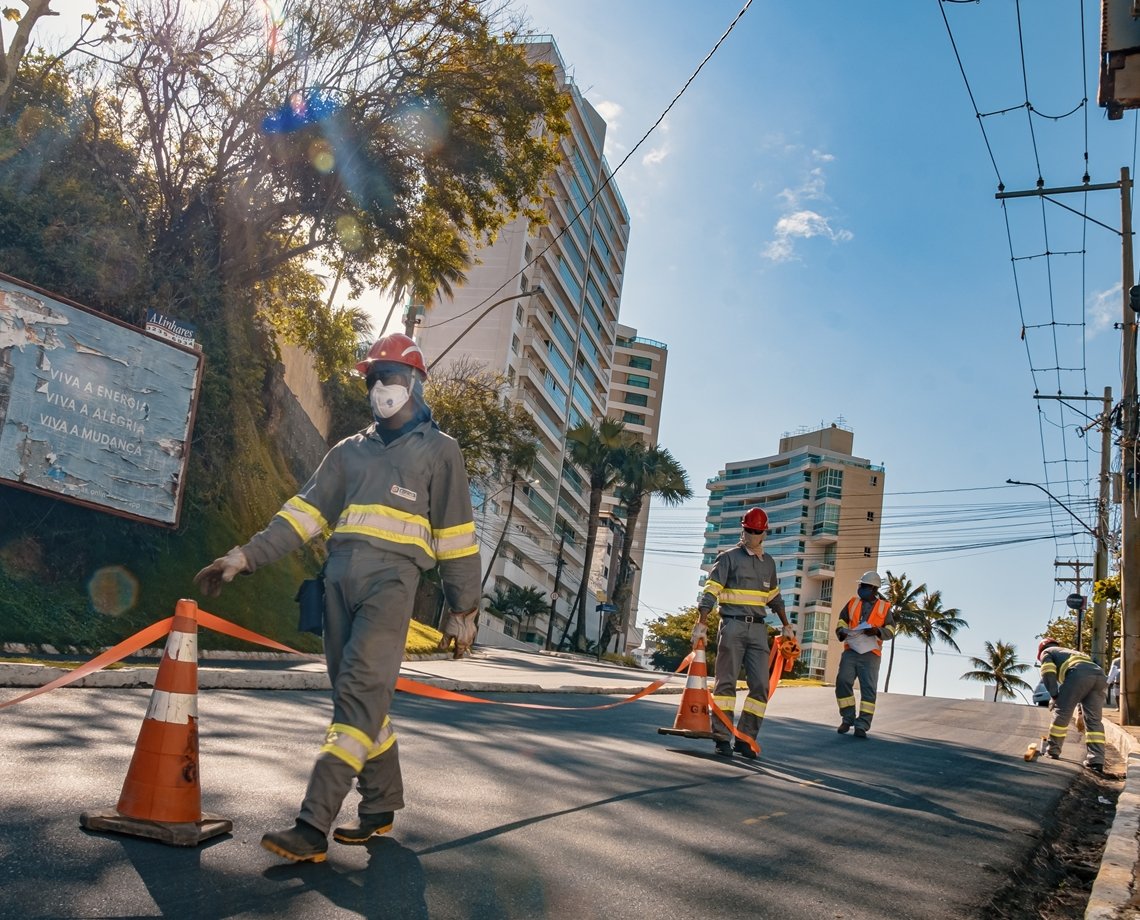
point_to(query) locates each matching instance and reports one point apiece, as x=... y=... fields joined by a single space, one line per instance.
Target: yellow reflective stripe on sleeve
x=455 y=542
x=348 y=744
x=303 y=518
x=713 y=587
x=845 y=701
x=1047 y=667
x=755 y=706
x=746 y=597
x=384 y=740
x=387 y=523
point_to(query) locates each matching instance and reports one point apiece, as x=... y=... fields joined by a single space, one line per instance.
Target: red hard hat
x=1044 y=644
x=397 y=348
x=755 y=519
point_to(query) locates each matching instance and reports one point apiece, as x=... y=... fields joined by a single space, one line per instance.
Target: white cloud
x=801 y=225
x=823 y=157
x=1102 y=311
x=611 y=112
x=811 y=189
x=655 y=156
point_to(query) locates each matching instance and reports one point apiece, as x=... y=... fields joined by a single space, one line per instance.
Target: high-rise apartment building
x=637 y=386
x=557 y=350
x=824 y=507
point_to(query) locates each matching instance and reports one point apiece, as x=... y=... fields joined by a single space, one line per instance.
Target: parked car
x=1041 y=695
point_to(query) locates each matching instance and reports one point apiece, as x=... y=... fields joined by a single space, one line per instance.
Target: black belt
x=748 y=618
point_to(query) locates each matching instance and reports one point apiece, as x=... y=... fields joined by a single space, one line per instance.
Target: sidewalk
x=1111 y=895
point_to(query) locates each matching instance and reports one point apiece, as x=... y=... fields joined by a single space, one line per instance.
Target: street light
x=537 y=289
x=1100 y=538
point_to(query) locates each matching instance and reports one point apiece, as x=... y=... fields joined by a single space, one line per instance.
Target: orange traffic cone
x=693 y=715
x=161 y=797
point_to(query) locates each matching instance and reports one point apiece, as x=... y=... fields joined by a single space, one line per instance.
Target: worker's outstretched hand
x=222 y=569
x=789 y=632
x=459 y=628
x=874 y=631
x=700 y=631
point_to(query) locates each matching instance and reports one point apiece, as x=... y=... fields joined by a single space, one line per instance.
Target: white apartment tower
x=824 y=507
x=557 y=350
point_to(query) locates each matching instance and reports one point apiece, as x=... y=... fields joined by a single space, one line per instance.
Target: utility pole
x=1076 y=581
x=1100 y=564
x=554 y=593
x=1130 y=499
x=1129 y=532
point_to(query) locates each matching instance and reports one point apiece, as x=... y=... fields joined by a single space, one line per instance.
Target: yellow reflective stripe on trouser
x=384 y=740
x=713 y=588
x=1094 y=738
x=1058 y=731
x=755 y=706
x=455 y=542
x=387 y=523
x=866 y=708
x=348 y=744
x=846 y=701
x=303 y=518
x=726 y=703
x=746 y=597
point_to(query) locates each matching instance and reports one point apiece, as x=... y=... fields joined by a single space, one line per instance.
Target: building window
x=635 y=380
x=874 y=480
x=642 y=364
x=870 y=515
x=634 y=418
x=635 y=399
x=515 y=344
x=829 y=484
x=867 y=551
x=519 y=313
x=524 y=285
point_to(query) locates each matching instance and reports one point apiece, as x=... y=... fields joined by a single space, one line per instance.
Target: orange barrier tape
x=128 y=646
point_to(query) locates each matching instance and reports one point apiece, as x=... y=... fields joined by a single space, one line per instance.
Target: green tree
x=645 y=472
x=525 y=604
x=598 y=451
x=672 y=638
x=903 y=598
x=936 y=624
x=1064 y=627
x=1001 y=668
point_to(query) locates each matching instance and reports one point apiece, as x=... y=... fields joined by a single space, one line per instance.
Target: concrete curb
x=1113 y=885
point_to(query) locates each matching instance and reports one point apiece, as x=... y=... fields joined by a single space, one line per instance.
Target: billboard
x=92 y=410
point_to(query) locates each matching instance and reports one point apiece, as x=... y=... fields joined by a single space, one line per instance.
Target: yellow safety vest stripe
x=1078 y=658
x=303 y=518
x=386 y=523
x=746 y=598
x=455 y=542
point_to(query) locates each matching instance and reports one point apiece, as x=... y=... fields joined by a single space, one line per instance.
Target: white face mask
x=388 y=399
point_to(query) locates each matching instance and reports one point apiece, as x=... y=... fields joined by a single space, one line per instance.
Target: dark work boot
x=301 y=843
x=860 y=732
x=744 y=750
x=844 y=728
x=365 y=828
x=724 y=748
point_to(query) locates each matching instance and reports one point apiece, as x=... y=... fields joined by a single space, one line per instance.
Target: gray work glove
x=222 y=569
x=700 y=631
x=459 y=628
x=789 y=631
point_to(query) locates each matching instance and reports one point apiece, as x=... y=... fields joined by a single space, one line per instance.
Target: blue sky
x=815 y=236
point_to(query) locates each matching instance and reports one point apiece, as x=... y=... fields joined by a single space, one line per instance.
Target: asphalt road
x=517 y=813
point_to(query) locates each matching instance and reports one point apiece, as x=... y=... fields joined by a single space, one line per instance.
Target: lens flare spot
x=321 y=156
x=424 y=128
x=113 y=590
x=349 y=231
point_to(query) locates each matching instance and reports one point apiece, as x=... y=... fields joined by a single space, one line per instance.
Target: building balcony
x=821 y=569
x=818 y=603
x=824 y=538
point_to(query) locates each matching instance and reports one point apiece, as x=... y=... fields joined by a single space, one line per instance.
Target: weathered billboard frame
x=83 y=386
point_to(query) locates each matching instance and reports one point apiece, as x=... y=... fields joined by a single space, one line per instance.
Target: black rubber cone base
x=188 y=834
x=684 y=733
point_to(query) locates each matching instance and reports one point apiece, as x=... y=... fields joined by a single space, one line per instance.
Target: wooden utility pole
x=1100 y=565
x=1076 y=581
x=554 y=593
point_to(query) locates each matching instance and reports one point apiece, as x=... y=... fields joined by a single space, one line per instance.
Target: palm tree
x=936 y=623
x=903 y=597
x=524 y=603
x=645 y=472
x=597 y=450
x=1000 y=667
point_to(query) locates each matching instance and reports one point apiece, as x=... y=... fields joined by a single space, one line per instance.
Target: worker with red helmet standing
x=1073 y=679
x=744 y=583
x=865 y=621
x=396 y=499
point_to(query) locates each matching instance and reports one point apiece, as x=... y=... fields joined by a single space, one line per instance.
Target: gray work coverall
x=1073 y=679
x=745 y=586
x=395 y=510
x=862 y=666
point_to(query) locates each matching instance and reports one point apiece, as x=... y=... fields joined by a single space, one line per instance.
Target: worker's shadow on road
x=392 y=884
